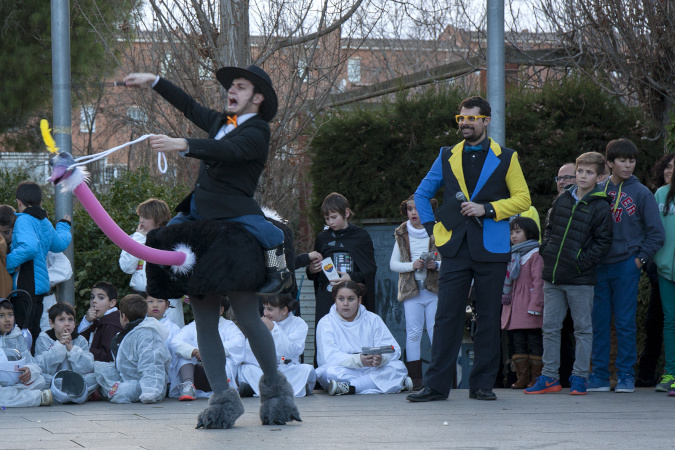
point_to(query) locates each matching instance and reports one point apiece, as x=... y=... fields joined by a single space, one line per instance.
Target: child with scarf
x=523 y=301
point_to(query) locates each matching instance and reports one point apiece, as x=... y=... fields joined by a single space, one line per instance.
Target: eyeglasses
x=468 y=119
x=565 y=178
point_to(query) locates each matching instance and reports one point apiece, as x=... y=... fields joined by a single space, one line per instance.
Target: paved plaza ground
x=643 y=419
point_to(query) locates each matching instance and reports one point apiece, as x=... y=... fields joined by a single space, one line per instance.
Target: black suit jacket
x=230 y=167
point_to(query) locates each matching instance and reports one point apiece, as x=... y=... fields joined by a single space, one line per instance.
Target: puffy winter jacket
x=33 y=237
x=577 y=237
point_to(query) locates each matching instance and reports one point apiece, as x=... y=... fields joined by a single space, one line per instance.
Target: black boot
x=277 y=276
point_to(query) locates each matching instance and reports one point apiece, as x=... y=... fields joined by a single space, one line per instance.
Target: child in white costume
x=157 y=308
x=59 y=270
x=51 y=349
x=184 y=344
x=152 y=213
x=28 y=389
x=289 y=334
x=341 y=336
x=141 y=357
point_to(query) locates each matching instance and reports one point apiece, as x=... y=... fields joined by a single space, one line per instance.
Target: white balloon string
x=162 y=164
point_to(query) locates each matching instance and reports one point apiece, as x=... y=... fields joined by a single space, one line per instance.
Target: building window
x=303 y=70
x=166 y=65
x=137 y=114
x=354 y=70
x=87 y=121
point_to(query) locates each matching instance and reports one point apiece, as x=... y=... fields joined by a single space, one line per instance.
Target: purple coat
x=527 y=295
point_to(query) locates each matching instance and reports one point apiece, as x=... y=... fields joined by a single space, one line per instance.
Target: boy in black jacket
x=578 y=234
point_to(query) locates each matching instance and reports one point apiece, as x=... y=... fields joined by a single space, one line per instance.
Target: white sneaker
x=187 y=392
x=46 y=397
x=408 y=384
x=338 y=387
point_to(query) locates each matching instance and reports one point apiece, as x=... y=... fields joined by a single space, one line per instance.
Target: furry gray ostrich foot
x=223 y=410
x=277 y=404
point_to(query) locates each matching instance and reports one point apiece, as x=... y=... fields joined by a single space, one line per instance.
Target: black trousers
x=28 y=316
x=527 y=341
x=453 y=292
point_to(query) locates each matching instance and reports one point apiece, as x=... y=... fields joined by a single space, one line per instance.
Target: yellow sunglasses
x=468 y=119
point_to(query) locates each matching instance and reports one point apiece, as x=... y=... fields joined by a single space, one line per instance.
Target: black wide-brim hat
x=260 y=80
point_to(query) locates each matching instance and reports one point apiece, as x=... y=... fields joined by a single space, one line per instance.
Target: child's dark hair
x=621 y=148
x=480 y=102
x=359 y=288
x=108 y=288
x=592 y=159
x=168 y=303
x=7 y=216
x=133 y=306
x=5 y=303
x=404 y=204
x=657 y=171
x=529 y=227
x=281 y=301
x=337 y=203
x=59 y=308
x=29 y=193
x=155 y=209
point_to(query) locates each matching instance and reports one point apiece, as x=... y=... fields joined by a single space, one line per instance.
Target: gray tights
x=245 y=307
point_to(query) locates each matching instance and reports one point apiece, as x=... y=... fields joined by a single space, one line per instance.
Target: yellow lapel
x=456 y=166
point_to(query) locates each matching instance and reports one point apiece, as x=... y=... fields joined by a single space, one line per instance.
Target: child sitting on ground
x=28 y=390
x=342 y=335
x=141 y=357
x=189 y=381
x=289 y=334
x=157 y=308
x=62 y=348
x=102 y=321
x=523 y=301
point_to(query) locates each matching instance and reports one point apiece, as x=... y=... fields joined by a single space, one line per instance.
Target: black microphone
x=462 y=198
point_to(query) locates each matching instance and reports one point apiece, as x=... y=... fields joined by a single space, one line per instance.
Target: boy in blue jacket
x=32 y=238
x=638 y=234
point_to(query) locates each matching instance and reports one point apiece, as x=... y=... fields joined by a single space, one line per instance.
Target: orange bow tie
x=232 y=120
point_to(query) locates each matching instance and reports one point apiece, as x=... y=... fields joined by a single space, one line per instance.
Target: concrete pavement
x=643 y=419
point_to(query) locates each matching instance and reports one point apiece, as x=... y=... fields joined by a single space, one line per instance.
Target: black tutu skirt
x=228 y=259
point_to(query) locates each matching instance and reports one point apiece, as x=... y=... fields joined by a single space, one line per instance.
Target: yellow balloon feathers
x=47 y=137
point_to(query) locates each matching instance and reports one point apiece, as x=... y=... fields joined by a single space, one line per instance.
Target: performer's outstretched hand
x=162 y=143
x=139 y=79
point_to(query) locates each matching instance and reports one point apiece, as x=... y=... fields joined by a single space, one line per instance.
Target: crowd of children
x=597 y=237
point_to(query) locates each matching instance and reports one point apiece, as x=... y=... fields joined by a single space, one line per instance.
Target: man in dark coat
x=232 y=158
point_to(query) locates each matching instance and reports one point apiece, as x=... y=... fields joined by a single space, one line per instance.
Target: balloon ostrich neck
x=72 y=178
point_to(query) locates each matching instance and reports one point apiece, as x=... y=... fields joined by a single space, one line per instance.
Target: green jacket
x=665 y=257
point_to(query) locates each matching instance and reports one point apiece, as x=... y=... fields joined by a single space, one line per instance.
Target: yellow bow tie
x=232 y=120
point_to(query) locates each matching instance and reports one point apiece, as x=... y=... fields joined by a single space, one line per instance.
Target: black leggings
x=527 y=341
x=245 y=307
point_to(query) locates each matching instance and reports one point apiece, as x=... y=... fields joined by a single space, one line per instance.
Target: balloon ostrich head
x=61 y=163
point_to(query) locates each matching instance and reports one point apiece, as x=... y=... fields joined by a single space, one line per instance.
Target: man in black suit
x=232 y=158
x=484 y=186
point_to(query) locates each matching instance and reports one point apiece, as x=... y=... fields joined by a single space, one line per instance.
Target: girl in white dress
x=289 y=333
x=343 y=334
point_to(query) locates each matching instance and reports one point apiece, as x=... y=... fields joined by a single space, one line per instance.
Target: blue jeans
x=615 y=293
x=264 y=231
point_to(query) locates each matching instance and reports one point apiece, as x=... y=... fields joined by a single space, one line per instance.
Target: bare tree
x=299 y=43
x=629 y=46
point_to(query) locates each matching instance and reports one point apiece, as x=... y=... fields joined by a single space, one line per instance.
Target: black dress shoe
x=483 y=394
x=425 y=394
